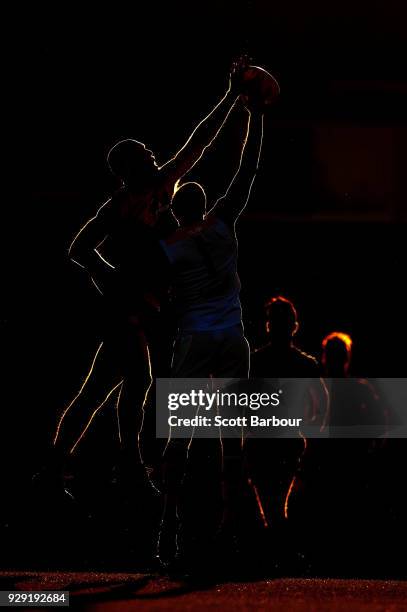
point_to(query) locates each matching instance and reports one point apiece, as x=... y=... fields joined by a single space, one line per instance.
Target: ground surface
x=96 y=591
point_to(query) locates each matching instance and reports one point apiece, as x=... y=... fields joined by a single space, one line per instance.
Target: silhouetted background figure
x=120 y=251
x=202 y=254
x=351 y=466
x=280 y=356
x=275 y=465
x=354 y=401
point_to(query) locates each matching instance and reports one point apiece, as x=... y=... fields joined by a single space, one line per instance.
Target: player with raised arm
x=118 y=248
x=202 y=254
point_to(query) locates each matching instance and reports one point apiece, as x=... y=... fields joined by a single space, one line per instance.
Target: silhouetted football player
x=118 y=248
x=202 y=255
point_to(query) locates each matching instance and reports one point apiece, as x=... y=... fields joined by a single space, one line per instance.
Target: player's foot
x=167 y=547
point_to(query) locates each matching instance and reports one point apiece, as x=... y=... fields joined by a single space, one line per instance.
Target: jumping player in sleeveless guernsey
x=205 y=284
x=202 y=254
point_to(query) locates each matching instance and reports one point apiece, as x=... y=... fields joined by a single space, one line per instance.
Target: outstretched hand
x=237 y=71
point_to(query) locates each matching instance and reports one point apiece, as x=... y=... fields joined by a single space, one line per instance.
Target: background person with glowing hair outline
x=352 y=466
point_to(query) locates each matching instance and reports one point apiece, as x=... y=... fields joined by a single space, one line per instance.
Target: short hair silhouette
x=336 y=351
x=130 y=159
x=189 y=202
x=281 y=316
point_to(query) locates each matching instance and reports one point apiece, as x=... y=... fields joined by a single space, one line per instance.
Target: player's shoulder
x=307 y=360
x=211 y=219
x=117 y=198
x=191 y=231
x=104 y=210
x=130 y=204
x=214 y=220
x=176 y=236
x=122 y=205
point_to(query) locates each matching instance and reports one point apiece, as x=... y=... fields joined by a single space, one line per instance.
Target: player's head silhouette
x=336 y=354
x=132 y=162
x=189 y=203
x=281 y=321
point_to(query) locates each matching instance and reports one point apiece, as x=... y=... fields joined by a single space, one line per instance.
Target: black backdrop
x=326 y=223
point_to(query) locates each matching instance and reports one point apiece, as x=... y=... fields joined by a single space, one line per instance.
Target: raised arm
x=207 y=130
x=235 y=199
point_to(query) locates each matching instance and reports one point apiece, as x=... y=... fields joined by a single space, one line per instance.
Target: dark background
x=326 y=222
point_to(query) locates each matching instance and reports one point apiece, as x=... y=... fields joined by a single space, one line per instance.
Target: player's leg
x=233 y=361
x=99 y=388
x=133 y=357
x=192 y=358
